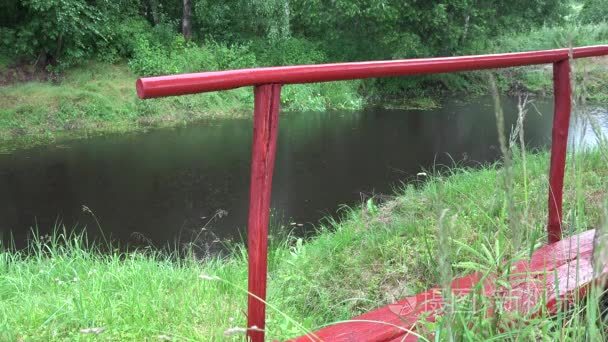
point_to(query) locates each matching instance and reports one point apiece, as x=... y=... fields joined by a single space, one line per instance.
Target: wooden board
x=555 y=272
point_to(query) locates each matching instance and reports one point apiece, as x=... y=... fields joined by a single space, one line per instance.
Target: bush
x=306 y=97
x=551 y=37
x=122 y=39
x=290 y=51
x=594 y=11
x=302 y=97
x=152 y=57
x=231 y=56
x=58 y=32
x=155 y=58
x=342 y=95
x=7 y=41
x=321 y=96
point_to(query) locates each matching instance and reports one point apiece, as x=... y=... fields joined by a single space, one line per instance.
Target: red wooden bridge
x=559 y=271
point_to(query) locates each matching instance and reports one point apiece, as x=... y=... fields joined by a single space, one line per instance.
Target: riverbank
x=96 y=99
x=65 y=289
x=100 y=98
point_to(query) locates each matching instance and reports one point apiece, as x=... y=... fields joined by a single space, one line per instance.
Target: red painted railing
x=268 y=82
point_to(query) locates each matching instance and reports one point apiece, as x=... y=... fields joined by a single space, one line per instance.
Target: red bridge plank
x=555 y=272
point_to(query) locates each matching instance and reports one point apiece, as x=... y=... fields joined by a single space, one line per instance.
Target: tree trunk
x=59 y=49
x=151 y=9
x=465 y=31
x=187 y=19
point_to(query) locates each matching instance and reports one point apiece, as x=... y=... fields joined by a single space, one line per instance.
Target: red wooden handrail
x=268 y=82
x=160 y=86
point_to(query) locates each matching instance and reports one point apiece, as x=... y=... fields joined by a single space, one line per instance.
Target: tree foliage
x=594 y=11
x=394 y=28
x=65 y=32
x=239 y=20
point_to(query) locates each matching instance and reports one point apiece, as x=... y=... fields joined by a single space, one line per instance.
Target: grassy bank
x=537 y=80
x=375 y=255
x=99 y=97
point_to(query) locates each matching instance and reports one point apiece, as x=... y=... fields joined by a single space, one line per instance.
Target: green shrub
x=537 y=81
x=7 y=41
x=594 y=11
x=154 y=58
x=61 y=32
x=342 y=95
x=148 y=58
x=290 y=51
x=302 y=97
x=123 y=38
x=231 y=56
x=551 y=37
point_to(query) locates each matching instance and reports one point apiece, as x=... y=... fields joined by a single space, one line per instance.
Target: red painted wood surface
x=160 y=86
x=559 y=143
x=265 y=130
x=556 y=273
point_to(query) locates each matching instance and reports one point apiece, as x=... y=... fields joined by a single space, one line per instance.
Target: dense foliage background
x=157 y=37
x=237 y=33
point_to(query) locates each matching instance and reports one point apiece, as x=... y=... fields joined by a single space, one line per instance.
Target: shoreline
x=100 y=99
x=375 y=255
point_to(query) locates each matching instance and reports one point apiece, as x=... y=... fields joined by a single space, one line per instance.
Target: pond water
x=165 y=185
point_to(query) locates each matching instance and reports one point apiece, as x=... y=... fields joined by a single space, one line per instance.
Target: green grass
x=100 y=98
x=552 y=37
x=538 y=79
x=375 y=255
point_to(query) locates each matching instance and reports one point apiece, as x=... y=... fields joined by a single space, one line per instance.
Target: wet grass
x=378 y=253
x=100 y=98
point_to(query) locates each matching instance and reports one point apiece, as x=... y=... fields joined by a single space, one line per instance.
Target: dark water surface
x=167 y=183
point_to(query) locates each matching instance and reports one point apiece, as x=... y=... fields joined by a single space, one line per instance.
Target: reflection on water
x=589 y=129
x=168 y=182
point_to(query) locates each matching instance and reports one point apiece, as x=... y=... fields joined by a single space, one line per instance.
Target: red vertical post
x=265 y=130
x=559 y=144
